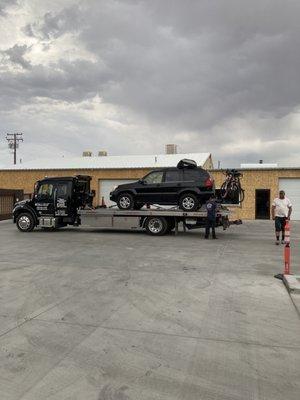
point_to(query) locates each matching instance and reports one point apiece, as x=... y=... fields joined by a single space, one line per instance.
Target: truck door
x=62 y=198
x=44 y=199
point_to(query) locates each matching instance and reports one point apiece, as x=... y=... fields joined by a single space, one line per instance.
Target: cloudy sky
x=130 y=76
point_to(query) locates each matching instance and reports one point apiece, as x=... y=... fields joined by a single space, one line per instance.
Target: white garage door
x=107 y=185
x=292 y=190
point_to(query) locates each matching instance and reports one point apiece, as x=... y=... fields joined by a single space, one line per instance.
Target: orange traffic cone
x=286 y=252
x=287 y=248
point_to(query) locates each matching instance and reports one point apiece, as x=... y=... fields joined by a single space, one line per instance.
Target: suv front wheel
x=125 y=201
x=188 y=202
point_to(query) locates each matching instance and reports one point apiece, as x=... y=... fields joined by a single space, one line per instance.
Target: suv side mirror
x=141 y=181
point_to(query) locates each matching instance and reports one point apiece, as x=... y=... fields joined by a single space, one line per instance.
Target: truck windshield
x=45 y=190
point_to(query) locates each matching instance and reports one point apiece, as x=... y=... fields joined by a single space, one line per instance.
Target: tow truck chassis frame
x=137 y=219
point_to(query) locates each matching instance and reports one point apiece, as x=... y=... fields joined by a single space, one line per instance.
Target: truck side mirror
x=35 y=191
x=141 y=181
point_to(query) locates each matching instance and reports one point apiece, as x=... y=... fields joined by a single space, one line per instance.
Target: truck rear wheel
x=156 y=226
x=25 y=222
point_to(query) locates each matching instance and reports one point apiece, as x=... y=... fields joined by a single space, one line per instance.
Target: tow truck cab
x=55 y=203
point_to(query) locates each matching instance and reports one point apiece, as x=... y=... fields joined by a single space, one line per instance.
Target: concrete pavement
x=100 y=315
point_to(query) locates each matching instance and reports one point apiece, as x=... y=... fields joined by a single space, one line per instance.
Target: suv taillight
x=209 y=182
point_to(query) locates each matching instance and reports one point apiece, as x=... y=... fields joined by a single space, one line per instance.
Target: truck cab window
x=62 y=190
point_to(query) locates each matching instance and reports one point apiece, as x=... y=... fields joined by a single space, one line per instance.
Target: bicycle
x=232 y=185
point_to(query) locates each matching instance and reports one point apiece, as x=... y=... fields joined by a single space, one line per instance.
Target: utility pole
x=13 y=143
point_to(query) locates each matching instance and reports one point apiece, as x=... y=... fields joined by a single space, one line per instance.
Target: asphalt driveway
x=99 y=315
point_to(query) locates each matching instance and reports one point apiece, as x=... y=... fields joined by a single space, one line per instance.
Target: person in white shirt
x=281 y=211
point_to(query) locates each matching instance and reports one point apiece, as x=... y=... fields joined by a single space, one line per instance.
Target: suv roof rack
x=186 y=163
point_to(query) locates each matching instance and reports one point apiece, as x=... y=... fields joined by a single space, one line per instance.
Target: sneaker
x=277 y=242
x=283 y=241
x=215 y=237
x=205 y=237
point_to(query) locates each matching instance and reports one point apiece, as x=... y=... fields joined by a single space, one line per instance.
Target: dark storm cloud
x=200 y=62
x=192 y=63
x=189 y=66
x=16 y=55
x=4 y=4
x=66 y=81
x=54 y=24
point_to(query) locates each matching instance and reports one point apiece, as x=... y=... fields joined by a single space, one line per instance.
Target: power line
x=13 y=143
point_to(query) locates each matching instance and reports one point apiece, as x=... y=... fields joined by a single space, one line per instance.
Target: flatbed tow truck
x=63 y=201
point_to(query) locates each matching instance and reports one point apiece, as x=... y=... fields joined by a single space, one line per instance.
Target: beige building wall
x=25 y=179
x=252 y=180
x=208 y=163
x=256 y=179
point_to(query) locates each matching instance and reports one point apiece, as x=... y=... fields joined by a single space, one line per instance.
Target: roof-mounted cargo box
x=186 y=163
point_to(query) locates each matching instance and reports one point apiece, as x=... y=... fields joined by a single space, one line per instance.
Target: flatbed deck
x=106 y=212
x=156 y=221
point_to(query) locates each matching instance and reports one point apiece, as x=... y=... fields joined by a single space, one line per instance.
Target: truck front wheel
x=25 y=222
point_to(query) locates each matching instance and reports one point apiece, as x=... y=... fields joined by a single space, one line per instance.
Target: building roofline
x=149 y=161
x=79 y=169
x=258 y=169
x=143 y=168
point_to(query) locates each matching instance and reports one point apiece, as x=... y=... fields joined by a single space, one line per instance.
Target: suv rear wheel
x=125 y=201
x=188 y=202
x=156 y=226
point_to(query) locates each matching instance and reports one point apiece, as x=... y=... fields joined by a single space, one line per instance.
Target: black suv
x=187 y=186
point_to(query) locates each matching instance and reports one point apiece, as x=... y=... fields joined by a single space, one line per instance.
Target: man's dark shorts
x=280 y=223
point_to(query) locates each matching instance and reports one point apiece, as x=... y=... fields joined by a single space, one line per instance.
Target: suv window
x=173 y=176
x=191 y=175
x=154 y=177
x=45 y=190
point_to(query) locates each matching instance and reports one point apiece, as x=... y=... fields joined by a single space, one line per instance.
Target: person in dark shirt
x=211 y=208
